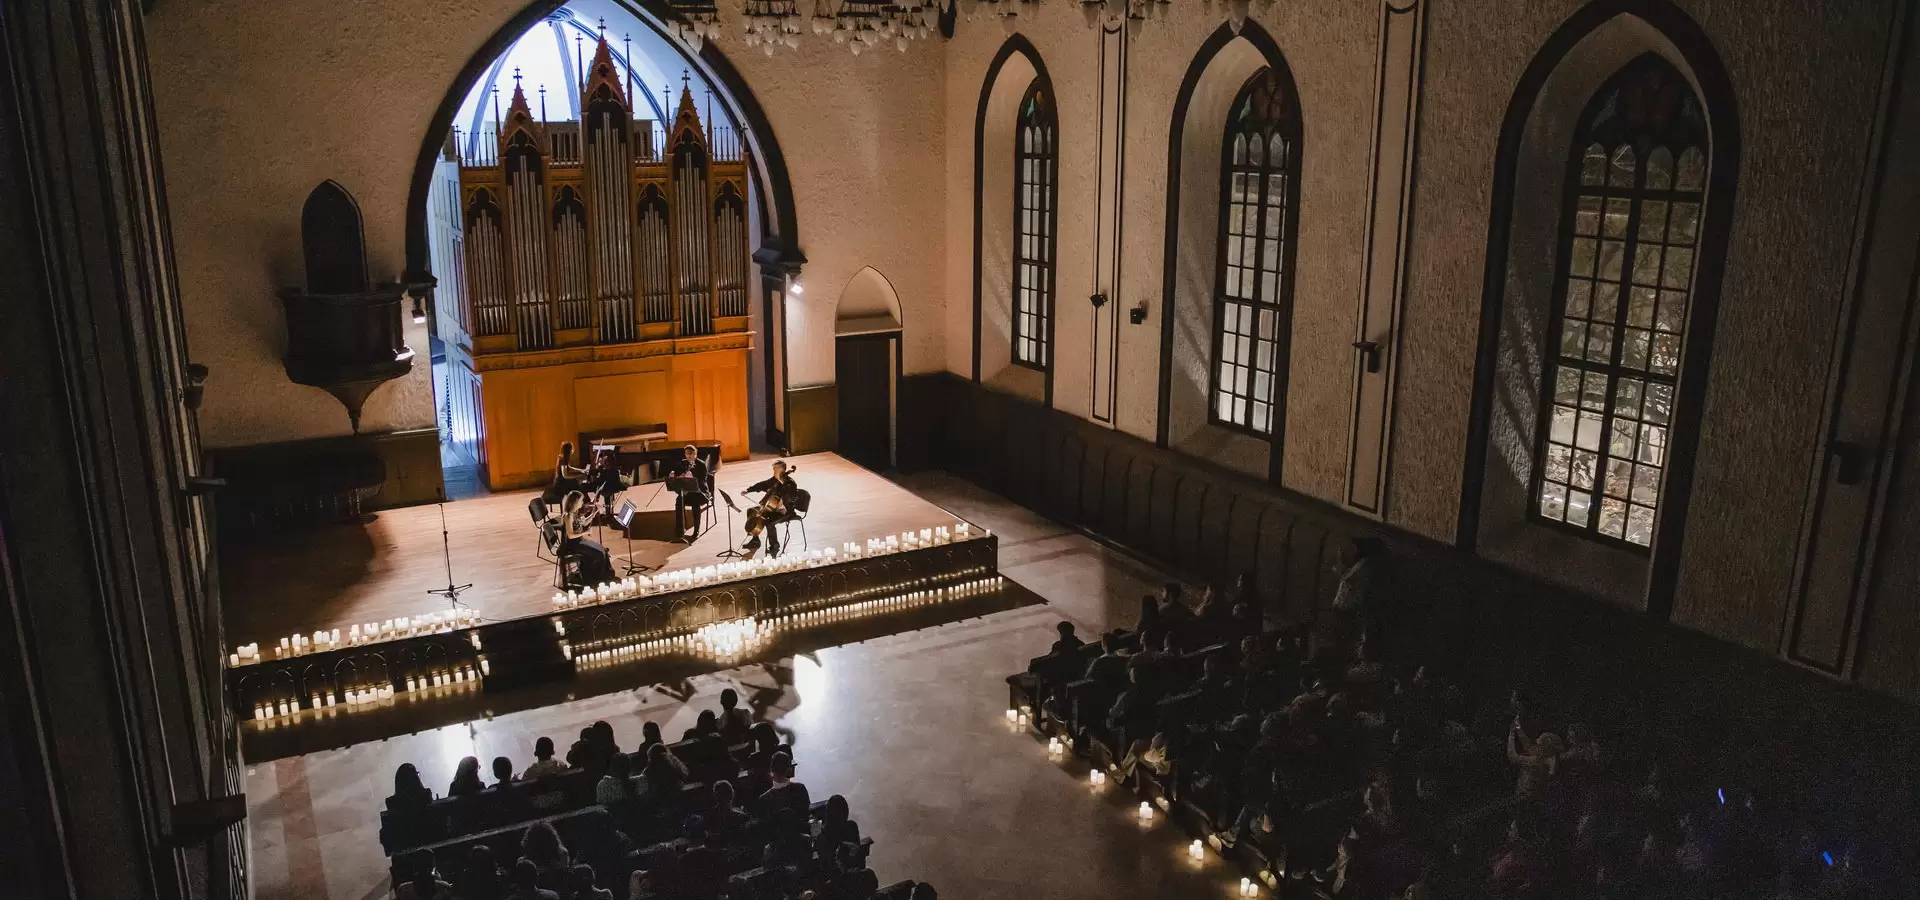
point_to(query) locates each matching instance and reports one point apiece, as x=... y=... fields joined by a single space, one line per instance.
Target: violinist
x=779 y=496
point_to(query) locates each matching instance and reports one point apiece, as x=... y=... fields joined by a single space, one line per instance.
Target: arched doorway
x=590 y=188
x=866 y=365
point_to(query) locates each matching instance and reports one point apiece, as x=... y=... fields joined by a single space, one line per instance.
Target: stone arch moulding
x=778 y=256
x=779 y=251
x=1717 y=94
x=1203 y=60
x=867 y=304
x=1015 y=44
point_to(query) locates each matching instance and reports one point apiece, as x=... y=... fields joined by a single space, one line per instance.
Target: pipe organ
x=610 y=233
x=607 y=248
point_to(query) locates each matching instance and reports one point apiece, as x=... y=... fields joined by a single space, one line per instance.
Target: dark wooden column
x=116 y=763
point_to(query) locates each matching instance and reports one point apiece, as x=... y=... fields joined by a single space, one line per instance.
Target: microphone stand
x=730 y=552
x=451 y=591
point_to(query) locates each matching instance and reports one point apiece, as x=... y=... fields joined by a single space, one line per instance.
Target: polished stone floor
x=909 y=727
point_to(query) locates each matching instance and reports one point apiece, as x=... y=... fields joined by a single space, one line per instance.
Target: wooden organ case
x=606 y=266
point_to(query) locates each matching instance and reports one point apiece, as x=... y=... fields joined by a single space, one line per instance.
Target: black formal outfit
x=789 y=494
x=692 y=501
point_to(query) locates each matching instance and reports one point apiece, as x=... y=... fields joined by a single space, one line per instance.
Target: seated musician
x=779 y=494
x=595 y=565
x=605 y=479
x=688 y=505
x=566 y=476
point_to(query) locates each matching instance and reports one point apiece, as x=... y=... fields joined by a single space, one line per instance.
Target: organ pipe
x=614 y=228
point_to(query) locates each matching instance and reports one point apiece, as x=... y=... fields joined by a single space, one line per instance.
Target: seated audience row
x=718 y=814
x=1303 y=756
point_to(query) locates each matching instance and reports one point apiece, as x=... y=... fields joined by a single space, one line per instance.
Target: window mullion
x=1630 y=250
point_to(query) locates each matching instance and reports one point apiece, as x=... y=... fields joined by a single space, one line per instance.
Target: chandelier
x=1132 y=12
x=772 y=24
x=1237 y=10
x=1004 y=10
x=867 y=24
x=697 y=24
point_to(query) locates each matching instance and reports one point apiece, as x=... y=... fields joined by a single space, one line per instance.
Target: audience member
x=664 y=773
x=466 y=778
x=502 y=772
x=526 y=883
x=480 y=879
x=541 y=848
x=409 y=795
x=734 y=721
x=615 y=789
x=785 y=793
x=581 y=886
x=543 y=762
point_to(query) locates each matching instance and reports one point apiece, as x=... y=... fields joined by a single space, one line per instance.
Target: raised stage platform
x=340 y=576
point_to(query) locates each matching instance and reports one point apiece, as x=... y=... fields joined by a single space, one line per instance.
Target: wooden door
x=866 y=368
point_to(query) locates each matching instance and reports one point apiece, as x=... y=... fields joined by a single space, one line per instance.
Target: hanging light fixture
x=1132 y=12
x=698 y=22
x=1007 y=11
x=911 y=21
x=1237 y=11
x=772 y=24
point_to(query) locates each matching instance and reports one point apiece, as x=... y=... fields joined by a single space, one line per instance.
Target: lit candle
x=1247 y=889
x=1196 y=850
x=233 y=659
x=1146 y=811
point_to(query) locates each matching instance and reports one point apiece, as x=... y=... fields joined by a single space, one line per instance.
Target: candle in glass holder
x=1196 y=850
x=1146 y=811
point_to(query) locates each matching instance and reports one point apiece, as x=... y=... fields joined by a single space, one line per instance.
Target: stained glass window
x=1635 y=190
x=1253 y=299
x=1034 y=220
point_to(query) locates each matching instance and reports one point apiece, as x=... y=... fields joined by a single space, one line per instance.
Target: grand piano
x=647 y=447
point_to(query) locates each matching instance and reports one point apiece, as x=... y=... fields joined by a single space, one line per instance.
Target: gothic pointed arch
x=1621 y=98
x=1231 y=225
x=1020 y=52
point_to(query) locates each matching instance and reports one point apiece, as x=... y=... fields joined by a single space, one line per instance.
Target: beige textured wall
x=1329 y=47
x=260 y=102
x=1801 y=164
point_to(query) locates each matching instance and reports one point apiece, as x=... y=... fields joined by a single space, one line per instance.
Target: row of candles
x=368 y=633
x=742 y=570
x=356 y=698
x=1020 y=717
x=728 y=640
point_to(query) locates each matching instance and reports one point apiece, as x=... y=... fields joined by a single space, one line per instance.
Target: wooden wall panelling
x=1092 y=482
x=1139 y=523
x=1274 y=567
x=629 y=398
x=1216 y=519
x=1243 y=537
x=813 y=418
x=1160 y=512
x=1188 y=499
x=1115 y=496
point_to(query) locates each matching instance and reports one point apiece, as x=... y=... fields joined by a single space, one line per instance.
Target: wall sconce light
x=1138 y=314
x=1098 y=300
x=797 y=289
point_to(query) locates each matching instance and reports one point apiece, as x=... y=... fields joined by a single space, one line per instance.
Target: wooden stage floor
x=336 y=576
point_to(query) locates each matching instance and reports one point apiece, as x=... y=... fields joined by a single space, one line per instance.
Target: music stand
x=730 y=552
x=624 y=518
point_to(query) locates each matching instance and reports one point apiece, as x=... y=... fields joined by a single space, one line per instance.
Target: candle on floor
x=1146 y=811
x=1196 y=850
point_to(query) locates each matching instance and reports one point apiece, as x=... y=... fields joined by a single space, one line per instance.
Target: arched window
x=1636 y=183
x=1253 y=301
x=1034 y=218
